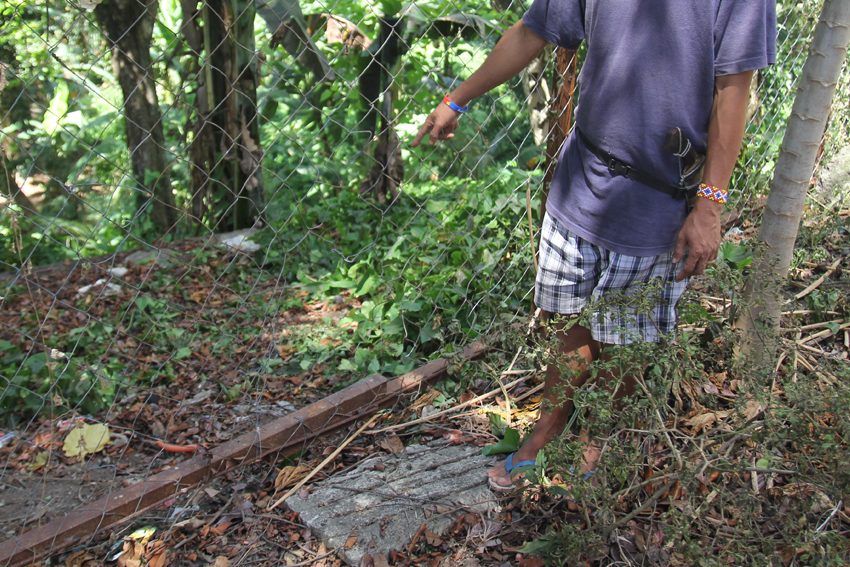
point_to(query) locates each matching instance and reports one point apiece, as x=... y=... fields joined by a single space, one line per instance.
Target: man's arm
x=517 y=48
x=701 y=231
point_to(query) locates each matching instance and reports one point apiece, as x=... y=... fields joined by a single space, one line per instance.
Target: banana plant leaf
x=285 y=19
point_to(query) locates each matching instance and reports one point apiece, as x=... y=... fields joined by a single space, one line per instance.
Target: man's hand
x=442 y=122
x=701 y=235
x=701 y=231
x=517 y=48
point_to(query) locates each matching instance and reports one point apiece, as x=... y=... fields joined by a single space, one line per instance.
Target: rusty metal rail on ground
x=279 y=438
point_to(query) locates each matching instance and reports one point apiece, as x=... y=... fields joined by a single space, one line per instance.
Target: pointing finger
x=419 y=135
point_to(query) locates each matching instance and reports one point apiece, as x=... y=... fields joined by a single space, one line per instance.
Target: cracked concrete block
x=385 y=508
x=162 y=257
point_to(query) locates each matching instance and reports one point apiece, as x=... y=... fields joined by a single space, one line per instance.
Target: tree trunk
x=226 y=152
x=537 y=93
x=128 y=26
x=378 y=82
x=792 y=178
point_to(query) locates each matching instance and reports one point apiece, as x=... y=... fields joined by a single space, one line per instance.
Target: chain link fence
x=211 y=215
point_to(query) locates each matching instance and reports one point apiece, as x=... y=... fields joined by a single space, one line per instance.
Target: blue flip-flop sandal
x=510 y=467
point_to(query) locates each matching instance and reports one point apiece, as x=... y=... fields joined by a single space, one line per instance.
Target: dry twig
x=817 y=282
x=331 y=457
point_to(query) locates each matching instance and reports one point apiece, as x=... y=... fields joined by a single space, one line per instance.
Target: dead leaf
x=77 y=558
x=219 y=530
x=132 y=555
x=221 y=561
x=329 y=341
x=290 y=476
x=159 y=560
x=285 y=350
x=340 y=30
x=425 y=399
x=366 y=561
x=380 y=560
x=703 y=420
x=392 y=444
x=433 y=539
x=752 y=409
x=352 y=539
x=698 y=422
x=85 y=440
x=453 y=435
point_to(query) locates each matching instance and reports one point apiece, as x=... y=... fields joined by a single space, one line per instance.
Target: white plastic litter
x=89 y=4
x=108 y=288
x=6 y=439
x=117 y=272
x=241 y=243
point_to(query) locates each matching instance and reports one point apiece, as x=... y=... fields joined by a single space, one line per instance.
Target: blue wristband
x=454 y=106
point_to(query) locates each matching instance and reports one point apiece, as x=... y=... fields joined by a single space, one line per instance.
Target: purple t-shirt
x=650 y=66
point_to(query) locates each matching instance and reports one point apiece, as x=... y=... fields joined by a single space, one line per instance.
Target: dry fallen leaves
x=290 y=476
x=752 y=409
x=133 y=553
x=285 y=350
x=705 y=419
x=392 y=444
x=160 y=559
x=352 y=539
x=79 y=558
x=82 y=441
x=432 y=538
x=425 y=399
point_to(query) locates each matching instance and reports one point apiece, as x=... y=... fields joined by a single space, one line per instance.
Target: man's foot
x=500 y=479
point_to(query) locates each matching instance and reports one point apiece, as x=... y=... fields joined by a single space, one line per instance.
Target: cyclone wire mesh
x=258 y=230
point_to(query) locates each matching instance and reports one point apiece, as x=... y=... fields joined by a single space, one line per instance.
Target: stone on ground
x=384 y=501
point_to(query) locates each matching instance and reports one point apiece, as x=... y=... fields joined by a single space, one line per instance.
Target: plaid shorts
x=574 y=273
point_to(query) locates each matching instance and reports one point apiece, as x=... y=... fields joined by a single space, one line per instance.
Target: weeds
x=713 y=461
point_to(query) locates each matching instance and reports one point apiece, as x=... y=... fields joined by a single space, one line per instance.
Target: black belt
x=619 y=167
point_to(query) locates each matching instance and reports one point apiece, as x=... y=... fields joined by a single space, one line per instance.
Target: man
x=618 y=213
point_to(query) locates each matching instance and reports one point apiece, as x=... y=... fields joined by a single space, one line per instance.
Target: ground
x=190 y=386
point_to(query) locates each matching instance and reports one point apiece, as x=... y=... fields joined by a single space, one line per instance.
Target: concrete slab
x=161 y=256
x=386 y=499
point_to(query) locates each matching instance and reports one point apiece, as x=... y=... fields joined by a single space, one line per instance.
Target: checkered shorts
x=574 y=273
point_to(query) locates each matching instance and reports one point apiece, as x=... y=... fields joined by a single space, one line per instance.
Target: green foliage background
x=447 y=262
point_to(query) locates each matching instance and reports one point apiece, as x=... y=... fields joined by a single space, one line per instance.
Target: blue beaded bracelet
x=454 y=106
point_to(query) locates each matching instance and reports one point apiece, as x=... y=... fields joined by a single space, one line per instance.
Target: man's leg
x=579 y=349
x=576 y=346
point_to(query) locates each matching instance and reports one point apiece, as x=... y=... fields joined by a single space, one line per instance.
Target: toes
x=502 y=481
x=497 y=471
